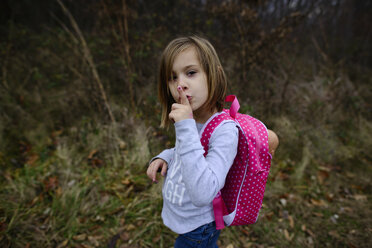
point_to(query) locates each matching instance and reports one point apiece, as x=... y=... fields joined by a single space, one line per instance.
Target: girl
x=192 y=89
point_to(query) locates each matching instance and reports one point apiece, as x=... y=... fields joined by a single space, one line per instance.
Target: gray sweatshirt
x=192 y=180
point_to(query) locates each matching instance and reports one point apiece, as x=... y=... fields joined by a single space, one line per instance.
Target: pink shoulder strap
x=219 y=206
x=235 y=106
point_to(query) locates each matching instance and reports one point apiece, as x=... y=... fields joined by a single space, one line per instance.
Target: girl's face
x=189 y=74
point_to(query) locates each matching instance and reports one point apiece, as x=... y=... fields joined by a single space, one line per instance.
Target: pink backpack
x=239 y=201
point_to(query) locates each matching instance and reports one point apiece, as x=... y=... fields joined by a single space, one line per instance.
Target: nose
x=181 y=82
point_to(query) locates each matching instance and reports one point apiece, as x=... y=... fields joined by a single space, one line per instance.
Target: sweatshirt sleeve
x=205 y=176
x=166 y=155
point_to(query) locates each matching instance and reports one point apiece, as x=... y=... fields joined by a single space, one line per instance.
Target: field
x=79 y=121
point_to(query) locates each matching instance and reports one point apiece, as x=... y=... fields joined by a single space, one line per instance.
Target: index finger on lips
x=182 y=99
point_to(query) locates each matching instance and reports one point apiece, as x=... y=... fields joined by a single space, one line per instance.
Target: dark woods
x=78 y=98
x=69 y=59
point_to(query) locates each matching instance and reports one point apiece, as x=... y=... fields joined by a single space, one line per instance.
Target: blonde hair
x=210 y=63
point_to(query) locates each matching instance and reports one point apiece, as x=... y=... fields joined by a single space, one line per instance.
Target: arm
x=273 y=141
x=205 y=176
x=165 y=155
x=160 y=162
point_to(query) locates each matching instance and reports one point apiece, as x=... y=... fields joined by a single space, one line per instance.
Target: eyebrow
x=189 y=66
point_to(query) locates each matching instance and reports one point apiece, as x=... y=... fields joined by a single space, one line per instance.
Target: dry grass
x=70 y=178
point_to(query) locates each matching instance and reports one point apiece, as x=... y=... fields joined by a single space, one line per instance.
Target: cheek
x=174 y=92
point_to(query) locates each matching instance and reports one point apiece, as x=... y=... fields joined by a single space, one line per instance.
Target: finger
x=152 y=170
x=182 y=99
x=176 y=106
x=164 y=169
x=171 y=116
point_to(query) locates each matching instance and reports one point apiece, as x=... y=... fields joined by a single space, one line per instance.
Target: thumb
x=182 y=99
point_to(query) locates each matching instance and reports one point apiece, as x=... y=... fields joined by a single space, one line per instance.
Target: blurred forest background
x=79 y=117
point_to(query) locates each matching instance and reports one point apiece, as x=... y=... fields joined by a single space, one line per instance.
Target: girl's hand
x=155 y=166
x=181 y=110
x=273 y=141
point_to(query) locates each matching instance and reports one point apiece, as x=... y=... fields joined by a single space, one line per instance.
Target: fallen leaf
x=99 y=218
x=334 y=218
x=334 y=234
x=291 y=222
x=283 y=202
x=63 y=244
x=32 y=159
x=358 y=187
x=248 y=245
x=34 y=200
x=96 y=162
x=50 y=184
x=318 y=203
x=125 y=181
x=59 y=191
x=130 y=227
x=80 y=237
x=3 y=226
x=269 y=215
x=122 y=145
x=360 y=198
x=156 y=239
x=310 y=233
x=283 y=176
x=57 y=133
x=125 y=236
x=345 y=209
x=323 y=168
x=303 y=227
x=322 y=176
x=230 y=246
x=351 y=245
x=329 y=196
x=310 y=240
x=93 y=241
x=86 y=246
x=317 y=214
x=286 y=235
x=92 y=153
x=349 y=174
x=95 y=227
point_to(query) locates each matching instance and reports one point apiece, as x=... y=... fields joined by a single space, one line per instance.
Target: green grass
x=66 y=200
x=71 y=178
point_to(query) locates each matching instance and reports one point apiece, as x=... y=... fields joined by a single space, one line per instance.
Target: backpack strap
x=235 y=106
x=219 y=207
x=209 y=129
x=217 y=120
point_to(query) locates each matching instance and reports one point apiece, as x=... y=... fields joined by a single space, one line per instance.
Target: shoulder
x=227 y=131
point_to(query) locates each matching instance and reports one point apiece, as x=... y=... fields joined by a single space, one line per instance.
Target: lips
x=189 y=97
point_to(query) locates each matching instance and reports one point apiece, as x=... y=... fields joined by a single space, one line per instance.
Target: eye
x=191 y=73
x=172 y=78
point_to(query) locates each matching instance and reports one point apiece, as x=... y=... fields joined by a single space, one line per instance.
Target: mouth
x=189 y=97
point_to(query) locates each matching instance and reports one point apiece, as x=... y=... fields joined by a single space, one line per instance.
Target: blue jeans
x=202 y=237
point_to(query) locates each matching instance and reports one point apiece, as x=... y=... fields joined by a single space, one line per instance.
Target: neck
x=201 y=116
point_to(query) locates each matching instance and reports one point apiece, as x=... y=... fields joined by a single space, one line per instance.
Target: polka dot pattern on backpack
x=245 y=183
